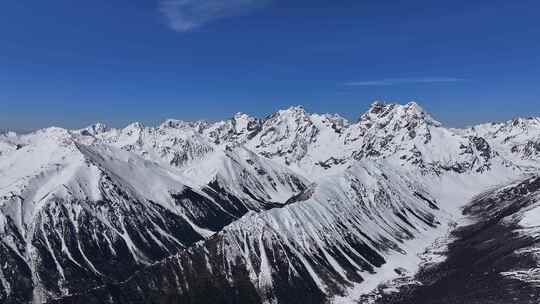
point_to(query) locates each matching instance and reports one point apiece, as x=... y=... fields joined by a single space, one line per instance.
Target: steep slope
x=260 y=183
x=337 y=235
x=334 y=242
x=294 y=207
x=175 y=143
x=75 y=216
x=211 y=156
x=316 y=145
x=493 y=259
x=410 y=137
x=9 y=143
x=236 y=130
x=299 y=139
x=71 y=222
x=517 y=140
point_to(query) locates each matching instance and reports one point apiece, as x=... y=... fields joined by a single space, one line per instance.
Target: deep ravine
x=484 y=259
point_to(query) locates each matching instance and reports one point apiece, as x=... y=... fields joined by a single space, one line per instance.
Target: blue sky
x=70 y=63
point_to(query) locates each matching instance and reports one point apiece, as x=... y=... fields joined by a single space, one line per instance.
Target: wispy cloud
x=398 y=81
x=186 y=15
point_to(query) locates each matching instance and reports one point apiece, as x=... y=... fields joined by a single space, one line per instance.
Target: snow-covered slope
x=247 y=175
x=236 y=130
x=293 y=206
x=335 y=241
x=493 y=258
x=175 y=143
x=9 y=143
x=297 y=138
x=410 y=137
x=313 y=144
x=348 y=231
x=517 y=140
x=77 y=212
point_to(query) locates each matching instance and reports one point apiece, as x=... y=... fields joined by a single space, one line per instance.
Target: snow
x=314 y=221
x=358 y=174
x=531 y=218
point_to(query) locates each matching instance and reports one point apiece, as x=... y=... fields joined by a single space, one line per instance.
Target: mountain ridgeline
x=296 y=207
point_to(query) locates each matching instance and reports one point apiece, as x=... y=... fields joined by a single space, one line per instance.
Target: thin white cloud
x=186 y=15
x=398 y=81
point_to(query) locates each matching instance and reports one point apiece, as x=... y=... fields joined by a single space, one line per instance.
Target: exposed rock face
x=491 y=260
x=77 y=216
x=237 y=130
x=294 y=207
x=291 y=254
x=517 y=140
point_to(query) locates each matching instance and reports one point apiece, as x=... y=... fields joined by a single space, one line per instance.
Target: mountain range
x=293 y=208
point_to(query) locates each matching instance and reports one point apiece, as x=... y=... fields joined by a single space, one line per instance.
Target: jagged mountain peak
x=517 y=137
x=235 y=130
x=95 y=129
x=293 y=109
x=286 y=134
x=291 y=115
x=134 y=127
x=242 y=115
x=58 y=131
x=520 y=125
x=408 y=113
x=100 y=127
x=509 y=127
x=243 y=122
x=388 y=119
x=170 y=123
x=51 y=135
x=324 y=197
x=411 y=137
x=525 y=121
x=174 y=123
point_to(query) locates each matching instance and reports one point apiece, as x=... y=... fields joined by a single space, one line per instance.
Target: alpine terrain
x=293 y=208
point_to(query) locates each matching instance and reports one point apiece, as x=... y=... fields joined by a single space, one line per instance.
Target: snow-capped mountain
x=293 y=207
x=517 y=139
x=237 y=130
x=411 y=137
x=75 y=215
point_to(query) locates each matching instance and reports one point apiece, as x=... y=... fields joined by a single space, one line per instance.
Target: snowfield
x=294 y=207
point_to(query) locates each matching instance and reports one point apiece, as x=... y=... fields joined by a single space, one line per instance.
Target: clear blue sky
x=70 y=63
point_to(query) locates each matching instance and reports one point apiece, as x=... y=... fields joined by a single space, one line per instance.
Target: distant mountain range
x=293 y=208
